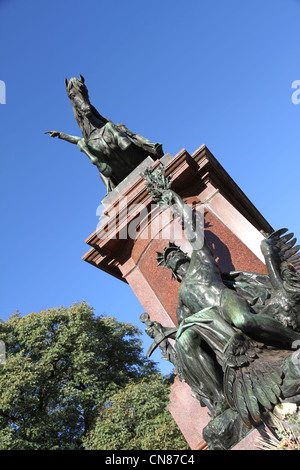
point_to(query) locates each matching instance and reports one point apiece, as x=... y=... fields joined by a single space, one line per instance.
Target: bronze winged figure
x=238 y=333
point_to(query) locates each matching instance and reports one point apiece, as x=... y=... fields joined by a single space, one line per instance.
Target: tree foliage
x=137 y=418
x=63 y=365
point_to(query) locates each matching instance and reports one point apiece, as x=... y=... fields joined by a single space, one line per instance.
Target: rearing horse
x=114 y=149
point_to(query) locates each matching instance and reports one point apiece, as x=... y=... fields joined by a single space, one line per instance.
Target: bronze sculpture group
x=238 y=334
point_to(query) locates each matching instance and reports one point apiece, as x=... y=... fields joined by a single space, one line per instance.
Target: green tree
x=137 y=418
x=62 y=365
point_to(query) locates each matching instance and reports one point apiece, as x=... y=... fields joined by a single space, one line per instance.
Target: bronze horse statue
x=114 y=149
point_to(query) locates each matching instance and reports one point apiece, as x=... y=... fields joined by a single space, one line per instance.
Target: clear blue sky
x=181 y=73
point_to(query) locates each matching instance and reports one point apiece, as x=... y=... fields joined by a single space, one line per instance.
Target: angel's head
x=174 y=259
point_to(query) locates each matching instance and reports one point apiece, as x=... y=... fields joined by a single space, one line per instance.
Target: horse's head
x=78 y=94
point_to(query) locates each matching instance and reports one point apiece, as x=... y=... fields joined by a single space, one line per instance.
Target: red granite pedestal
x=132 y=229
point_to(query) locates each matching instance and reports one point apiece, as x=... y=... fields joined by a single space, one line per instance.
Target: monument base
x=132 y=230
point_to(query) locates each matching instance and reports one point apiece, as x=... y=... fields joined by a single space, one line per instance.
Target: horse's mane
x=98 y=115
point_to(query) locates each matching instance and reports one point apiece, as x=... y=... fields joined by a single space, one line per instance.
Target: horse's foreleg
x=104 y=169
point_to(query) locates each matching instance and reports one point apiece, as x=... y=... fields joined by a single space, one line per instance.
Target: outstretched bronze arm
x=158 y=185
x=104 y=169
x=193 y=232
x=69 y=138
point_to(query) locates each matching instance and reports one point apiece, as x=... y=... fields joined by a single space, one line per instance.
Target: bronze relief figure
x=238 y=333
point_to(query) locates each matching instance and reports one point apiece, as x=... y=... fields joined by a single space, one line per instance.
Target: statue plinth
x=132 y=230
